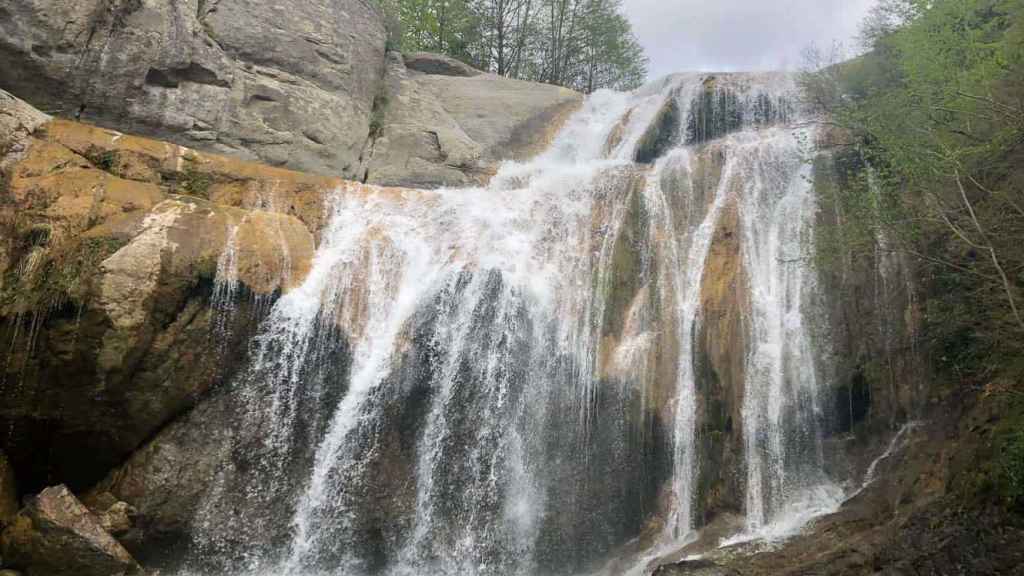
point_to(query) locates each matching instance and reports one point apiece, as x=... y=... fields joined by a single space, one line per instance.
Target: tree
x=937 y=107
x=444 y=26
x=582 y=44
x=506 y=28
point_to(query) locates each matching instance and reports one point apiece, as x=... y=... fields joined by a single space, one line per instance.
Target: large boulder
x=55 y=535
x=289 y=83
x=133 y=272
x=441 y=123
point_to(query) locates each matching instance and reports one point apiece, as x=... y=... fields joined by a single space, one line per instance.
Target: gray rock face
x=55 y=535
x=445 y=124
x=289 y=83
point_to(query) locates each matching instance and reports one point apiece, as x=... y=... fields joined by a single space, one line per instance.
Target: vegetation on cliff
x=932 y=138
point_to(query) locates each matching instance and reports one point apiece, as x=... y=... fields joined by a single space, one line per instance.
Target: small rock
x=117 y=519
x=56 y=535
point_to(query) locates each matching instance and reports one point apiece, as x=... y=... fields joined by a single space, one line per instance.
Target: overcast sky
x=730 y=35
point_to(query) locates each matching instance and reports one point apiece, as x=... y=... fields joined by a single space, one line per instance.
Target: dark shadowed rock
x=55 y=535
x=695 y=568
x=8 y=492
x=438 y=64
x=165 y=480
x=662 y=135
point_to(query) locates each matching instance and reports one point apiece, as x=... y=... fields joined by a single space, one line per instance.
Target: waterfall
x=504 y=379
x=782 y=411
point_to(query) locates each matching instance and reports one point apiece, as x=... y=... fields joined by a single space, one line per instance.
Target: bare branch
x=992 y=252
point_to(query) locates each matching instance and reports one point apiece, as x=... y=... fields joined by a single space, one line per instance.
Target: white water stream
x=468 y=383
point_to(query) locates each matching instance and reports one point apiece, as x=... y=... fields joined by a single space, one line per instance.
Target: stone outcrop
x=289 y=83
x=112 y=247
x=661 y=136
x=295 y=84
x=55 y=535
x=442 y=123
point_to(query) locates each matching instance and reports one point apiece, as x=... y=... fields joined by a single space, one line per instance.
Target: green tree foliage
x=936 y=109
x=582 y=44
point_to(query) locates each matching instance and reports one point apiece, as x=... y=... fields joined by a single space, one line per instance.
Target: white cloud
x=729 y=35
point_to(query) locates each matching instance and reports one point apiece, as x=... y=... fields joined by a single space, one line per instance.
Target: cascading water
x=782 y=412
x=502 y=380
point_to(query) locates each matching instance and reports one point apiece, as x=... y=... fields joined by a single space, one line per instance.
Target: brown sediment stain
x=721 y=350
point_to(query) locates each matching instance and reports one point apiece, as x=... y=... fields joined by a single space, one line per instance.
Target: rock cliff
x=299 y=84
x=113 y=248
x=287 y=83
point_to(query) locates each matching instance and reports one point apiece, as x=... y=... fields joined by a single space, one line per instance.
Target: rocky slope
x=928 y=507
x=302 y=84
x=444 y=124
x=288 y=83
x=118 y=256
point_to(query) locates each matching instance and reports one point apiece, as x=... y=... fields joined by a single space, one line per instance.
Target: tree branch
x=992 y=252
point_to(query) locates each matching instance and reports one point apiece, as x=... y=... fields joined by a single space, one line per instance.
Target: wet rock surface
x=915 y=515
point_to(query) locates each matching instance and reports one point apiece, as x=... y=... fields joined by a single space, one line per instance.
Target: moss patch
x=50 y=277
x=192 y=182
x=105 y=160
